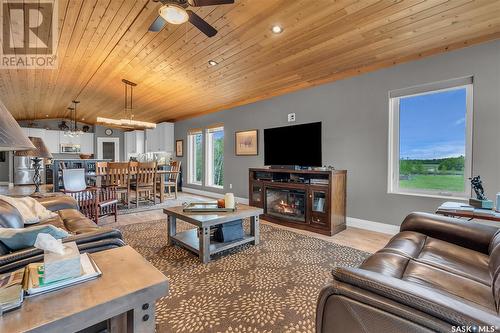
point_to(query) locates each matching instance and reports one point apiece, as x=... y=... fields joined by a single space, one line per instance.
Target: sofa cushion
x=494 y=265
x=29 y=208
x=10 y=216
x=17 y=239
x=76 y=222
x=56 y=221
x=408 y=269
x=58 y=202
x=440 y=254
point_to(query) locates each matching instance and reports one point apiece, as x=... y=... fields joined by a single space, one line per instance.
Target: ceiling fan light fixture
x=277 y=29
x=173 y=14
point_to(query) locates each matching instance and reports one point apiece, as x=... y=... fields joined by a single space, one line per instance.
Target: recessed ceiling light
x=46 y=116
x=213 y=63
x=277 y=29
x=83 y=118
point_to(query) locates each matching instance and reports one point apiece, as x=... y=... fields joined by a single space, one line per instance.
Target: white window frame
x=209 y=156
x=393 y=163
x=191 y=158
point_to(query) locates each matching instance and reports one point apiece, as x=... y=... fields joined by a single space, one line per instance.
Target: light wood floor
x=360 y=239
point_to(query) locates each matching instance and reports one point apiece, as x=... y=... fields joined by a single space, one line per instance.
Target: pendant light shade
x=12 y=136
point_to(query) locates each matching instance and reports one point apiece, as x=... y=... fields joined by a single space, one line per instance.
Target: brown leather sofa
x=437 y=273
x=88 y=236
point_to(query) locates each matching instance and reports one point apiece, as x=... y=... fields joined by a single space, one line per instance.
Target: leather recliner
x=88 y=236
x=437 y=274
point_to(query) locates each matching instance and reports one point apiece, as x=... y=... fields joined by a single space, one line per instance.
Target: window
x=195 y=156
x=215 y=157
x=431 y=139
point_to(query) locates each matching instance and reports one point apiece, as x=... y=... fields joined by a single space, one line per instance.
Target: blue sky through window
x=433 y=125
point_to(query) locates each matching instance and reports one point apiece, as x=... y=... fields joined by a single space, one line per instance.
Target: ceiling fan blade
x=158 y=24
x=201 y=24
x=201 y=3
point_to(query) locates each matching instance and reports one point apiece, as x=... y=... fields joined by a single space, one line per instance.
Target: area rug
x=272 y=287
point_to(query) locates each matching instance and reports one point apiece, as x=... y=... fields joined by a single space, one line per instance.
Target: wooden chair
x=101 y=172
x=132 y=167
x=118 y=175
x=145 y=182
x=171 y=179
x=92 y=202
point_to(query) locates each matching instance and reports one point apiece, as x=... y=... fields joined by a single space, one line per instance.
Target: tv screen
x=293 y=145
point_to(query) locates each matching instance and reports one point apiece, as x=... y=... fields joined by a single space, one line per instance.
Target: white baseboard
x=212 y=194
x=7 y=184
x=351 y=221
x=372 y=226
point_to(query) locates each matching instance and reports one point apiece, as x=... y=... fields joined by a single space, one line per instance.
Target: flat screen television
x=297 y=145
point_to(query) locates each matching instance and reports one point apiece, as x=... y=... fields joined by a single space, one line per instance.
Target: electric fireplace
x=286 y=203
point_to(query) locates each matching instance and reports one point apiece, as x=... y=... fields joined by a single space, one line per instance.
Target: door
x=318 y=206
x=108 y=148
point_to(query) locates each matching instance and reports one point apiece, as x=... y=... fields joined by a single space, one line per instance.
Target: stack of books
x=29 y=281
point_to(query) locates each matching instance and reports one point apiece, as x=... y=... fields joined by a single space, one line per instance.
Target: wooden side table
x=479 y=214
x=125 y=294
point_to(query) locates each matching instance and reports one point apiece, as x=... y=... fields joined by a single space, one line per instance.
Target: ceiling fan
x=176 y=12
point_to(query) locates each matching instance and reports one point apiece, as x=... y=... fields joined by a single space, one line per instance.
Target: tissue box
x=62 y=266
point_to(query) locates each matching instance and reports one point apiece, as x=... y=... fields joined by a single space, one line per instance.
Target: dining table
x=160 y=176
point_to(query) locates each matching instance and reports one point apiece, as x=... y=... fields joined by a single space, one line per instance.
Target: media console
x=304 y=199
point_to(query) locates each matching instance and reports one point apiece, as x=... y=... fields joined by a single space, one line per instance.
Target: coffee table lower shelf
x=189 y=240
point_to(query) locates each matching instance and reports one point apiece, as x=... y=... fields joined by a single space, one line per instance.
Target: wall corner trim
x=351 y=221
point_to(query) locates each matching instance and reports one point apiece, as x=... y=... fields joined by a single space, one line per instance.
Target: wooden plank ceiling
x=103 y=41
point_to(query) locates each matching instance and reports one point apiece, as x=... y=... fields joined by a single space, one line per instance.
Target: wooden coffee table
x=198 y=240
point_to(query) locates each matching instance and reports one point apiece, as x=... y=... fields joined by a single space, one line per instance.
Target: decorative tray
x=205 y=207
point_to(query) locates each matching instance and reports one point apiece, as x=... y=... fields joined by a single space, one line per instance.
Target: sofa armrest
x=103 y=234
x=447 y=308
x=58 y=202
x=467 y=234
x=90 y=247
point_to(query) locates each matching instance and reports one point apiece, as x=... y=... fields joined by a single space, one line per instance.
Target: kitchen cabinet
x=161 y=138
x=134 y=143
x=65 y=139
x=87 y=143
x=51 y=139
x=37 y=133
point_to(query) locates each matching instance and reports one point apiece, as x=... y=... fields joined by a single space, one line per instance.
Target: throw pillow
x=17 y=239
x=30 y=209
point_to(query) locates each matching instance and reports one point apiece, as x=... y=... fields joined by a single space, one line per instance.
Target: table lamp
x=12 y=136
x=38 y=154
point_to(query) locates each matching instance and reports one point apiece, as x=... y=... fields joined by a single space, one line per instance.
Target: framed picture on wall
x=179 y=148
x=247 y=143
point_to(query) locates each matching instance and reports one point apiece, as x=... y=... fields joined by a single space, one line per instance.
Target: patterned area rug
x=272 y=287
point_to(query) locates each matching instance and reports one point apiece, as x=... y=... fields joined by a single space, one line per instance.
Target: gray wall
x=117 y=133
x=5 y=167
x=355 y=120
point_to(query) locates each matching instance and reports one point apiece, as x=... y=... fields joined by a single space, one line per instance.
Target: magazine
x=11 y=290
